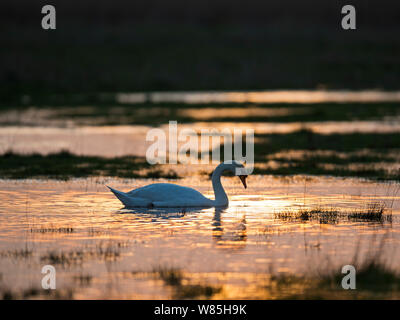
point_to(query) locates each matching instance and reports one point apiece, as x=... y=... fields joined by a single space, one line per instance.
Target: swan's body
x=164 y=195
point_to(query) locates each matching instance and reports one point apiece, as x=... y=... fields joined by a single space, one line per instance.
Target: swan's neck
x=221 y=199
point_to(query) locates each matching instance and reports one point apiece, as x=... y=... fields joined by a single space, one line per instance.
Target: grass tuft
x=375 y=212
x=182 y=289
x=320 y=214
x=374 y=280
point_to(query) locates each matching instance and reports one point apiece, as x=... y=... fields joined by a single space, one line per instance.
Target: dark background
x=113 y=46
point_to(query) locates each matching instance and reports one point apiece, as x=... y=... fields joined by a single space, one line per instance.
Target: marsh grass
x=51 y=229
x=17 y=253
x=93 y=232
x=374 y=212
x=69 y=258
x=65 y=165
x=32 y=292
x=306 y=139
x=158 y=174
x=355 y=154
x=317 y=214
x=363 y=155
x=181 y=285
x=36 y=293
x=108 y=251
x=195 y=291
x=374 y=280
x=153 y=114
x=83 y=280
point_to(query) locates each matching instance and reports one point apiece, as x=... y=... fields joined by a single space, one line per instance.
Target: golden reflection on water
x=109 y=141
x=103 y=251
x=215 y=113
x=272 y=96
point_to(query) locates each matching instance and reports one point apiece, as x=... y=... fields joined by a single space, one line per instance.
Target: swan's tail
x=122 y=196
x=129 y=201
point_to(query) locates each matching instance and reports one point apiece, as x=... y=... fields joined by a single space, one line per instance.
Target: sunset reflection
x=84 y=230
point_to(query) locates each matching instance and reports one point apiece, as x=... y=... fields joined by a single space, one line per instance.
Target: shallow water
x=101 y=250
x=272 y=96
x=104 y=251
x=115 y=141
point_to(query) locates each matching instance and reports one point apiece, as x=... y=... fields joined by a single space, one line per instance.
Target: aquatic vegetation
x=196 y=291
x=51 y=229
x=341 y=142
x=154 y=114
x=36 y=293
x=182 y=286
x=320 y=214
x=158 y=173
x=374 y=212
x=374 y=280
x=371 y=155
x=83 y=280
x=16 y=253
x=64 y=165
x=109 y=251
x=33 y=292
x=63 y=258
x=171 y=276
x=362 y=155
x=93 y=232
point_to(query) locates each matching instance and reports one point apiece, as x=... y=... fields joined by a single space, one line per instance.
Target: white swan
x=163 y=195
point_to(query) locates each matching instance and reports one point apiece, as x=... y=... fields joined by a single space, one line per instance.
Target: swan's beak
x=243 y=179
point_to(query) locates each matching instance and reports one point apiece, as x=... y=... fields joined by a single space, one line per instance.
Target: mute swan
x=163 y=195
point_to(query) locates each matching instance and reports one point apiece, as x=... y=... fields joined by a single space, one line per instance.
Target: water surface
x=101 y=250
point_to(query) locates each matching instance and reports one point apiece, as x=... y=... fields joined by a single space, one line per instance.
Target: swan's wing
x=169 y=193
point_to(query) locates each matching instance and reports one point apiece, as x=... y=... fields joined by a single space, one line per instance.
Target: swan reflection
x=232 y=235
x=233 y=238
x=164 y=213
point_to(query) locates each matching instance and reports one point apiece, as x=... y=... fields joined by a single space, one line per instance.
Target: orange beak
x=243 y=179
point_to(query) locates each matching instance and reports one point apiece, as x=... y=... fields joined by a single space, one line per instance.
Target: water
x=115 y=141
x=104 y=251
x=101 y=250
x=272 y=96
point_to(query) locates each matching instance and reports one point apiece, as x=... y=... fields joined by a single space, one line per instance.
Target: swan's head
x=237 y=169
